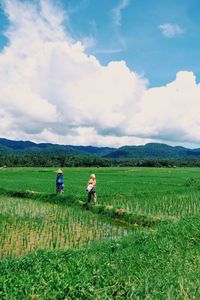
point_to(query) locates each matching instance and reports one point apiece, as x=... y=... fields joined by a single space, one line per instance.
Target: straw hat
x=59 y=171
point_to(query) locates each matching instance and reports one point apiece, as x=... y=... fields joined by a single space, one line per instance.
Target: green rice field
x=57 y=249
x=27 y=225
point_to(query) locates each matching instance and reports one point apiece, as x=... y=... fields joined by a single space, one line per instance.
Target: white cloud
x=116 y=12
x=49 y=84
x=170 y=113
x=51 y=90
x=88 y=42
x=170 y=30
x=107 y=50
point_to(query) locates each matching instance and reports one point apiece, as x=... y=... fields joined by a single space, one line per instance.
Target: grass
x=163 y=264
x=51 y=248
x=122 y=215
x=27 y=225
x=148 y=191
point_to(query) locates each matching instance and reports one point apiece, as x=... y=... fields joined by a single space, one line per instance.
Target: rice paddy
x=55 y=249
x=27 y=225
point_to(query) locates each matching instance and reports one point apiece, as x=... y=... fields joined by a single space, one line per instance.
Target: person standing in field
x=91 y=189
x=59 y=182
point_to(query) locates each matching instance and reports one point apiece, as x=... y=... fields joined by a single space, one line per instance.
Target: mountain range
x=148 y=151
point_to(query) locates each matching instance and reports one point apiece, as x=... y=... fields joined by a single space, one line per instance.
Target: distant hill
x=148 y=151
x=154 y=150
x=26 y=147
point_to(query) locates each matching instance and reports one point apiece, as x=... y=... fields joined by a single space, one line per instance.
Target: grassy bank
x=159 y=264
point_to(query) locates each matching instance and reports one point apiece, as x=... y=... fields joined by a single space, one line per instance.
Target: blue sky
x=3 y=27
x=100 y=72
x=137 y=39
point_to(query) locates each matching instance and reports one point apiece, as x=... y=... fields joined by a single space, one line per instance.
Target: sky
x=102 y=73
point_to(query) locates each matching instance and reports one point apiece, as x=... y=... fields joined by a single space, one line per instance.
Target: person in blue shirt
x=59 y=182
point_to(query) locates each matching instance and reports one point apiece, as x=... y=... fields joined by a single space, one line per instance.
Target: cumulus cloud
x=51 y=90
x=170 y=113
x=49 y=84
x=170 y=30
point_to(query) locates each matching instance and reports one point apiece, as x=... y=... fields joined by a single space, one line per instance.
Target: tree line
x=77 y=161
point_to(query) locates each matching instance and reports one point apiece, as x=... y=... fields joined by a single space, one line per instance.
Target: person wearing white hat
x=59 y=182
x=91 y=189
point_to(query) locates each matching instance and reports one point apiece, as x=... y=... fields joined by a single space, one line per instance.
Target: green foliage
x=162 y=264
x=148 y=151
x=11 y=147
x=145 y=191
x=87 y=254
x=29 y=154
x=193 y=182
x=154 y=150
x=122 y=215
x=57 y=160
x=26 y=225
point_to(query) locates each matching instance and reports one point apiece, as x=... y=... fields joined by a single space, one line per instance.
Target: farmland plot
x=27 y=225
x=159 y=262
x=149 y=191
